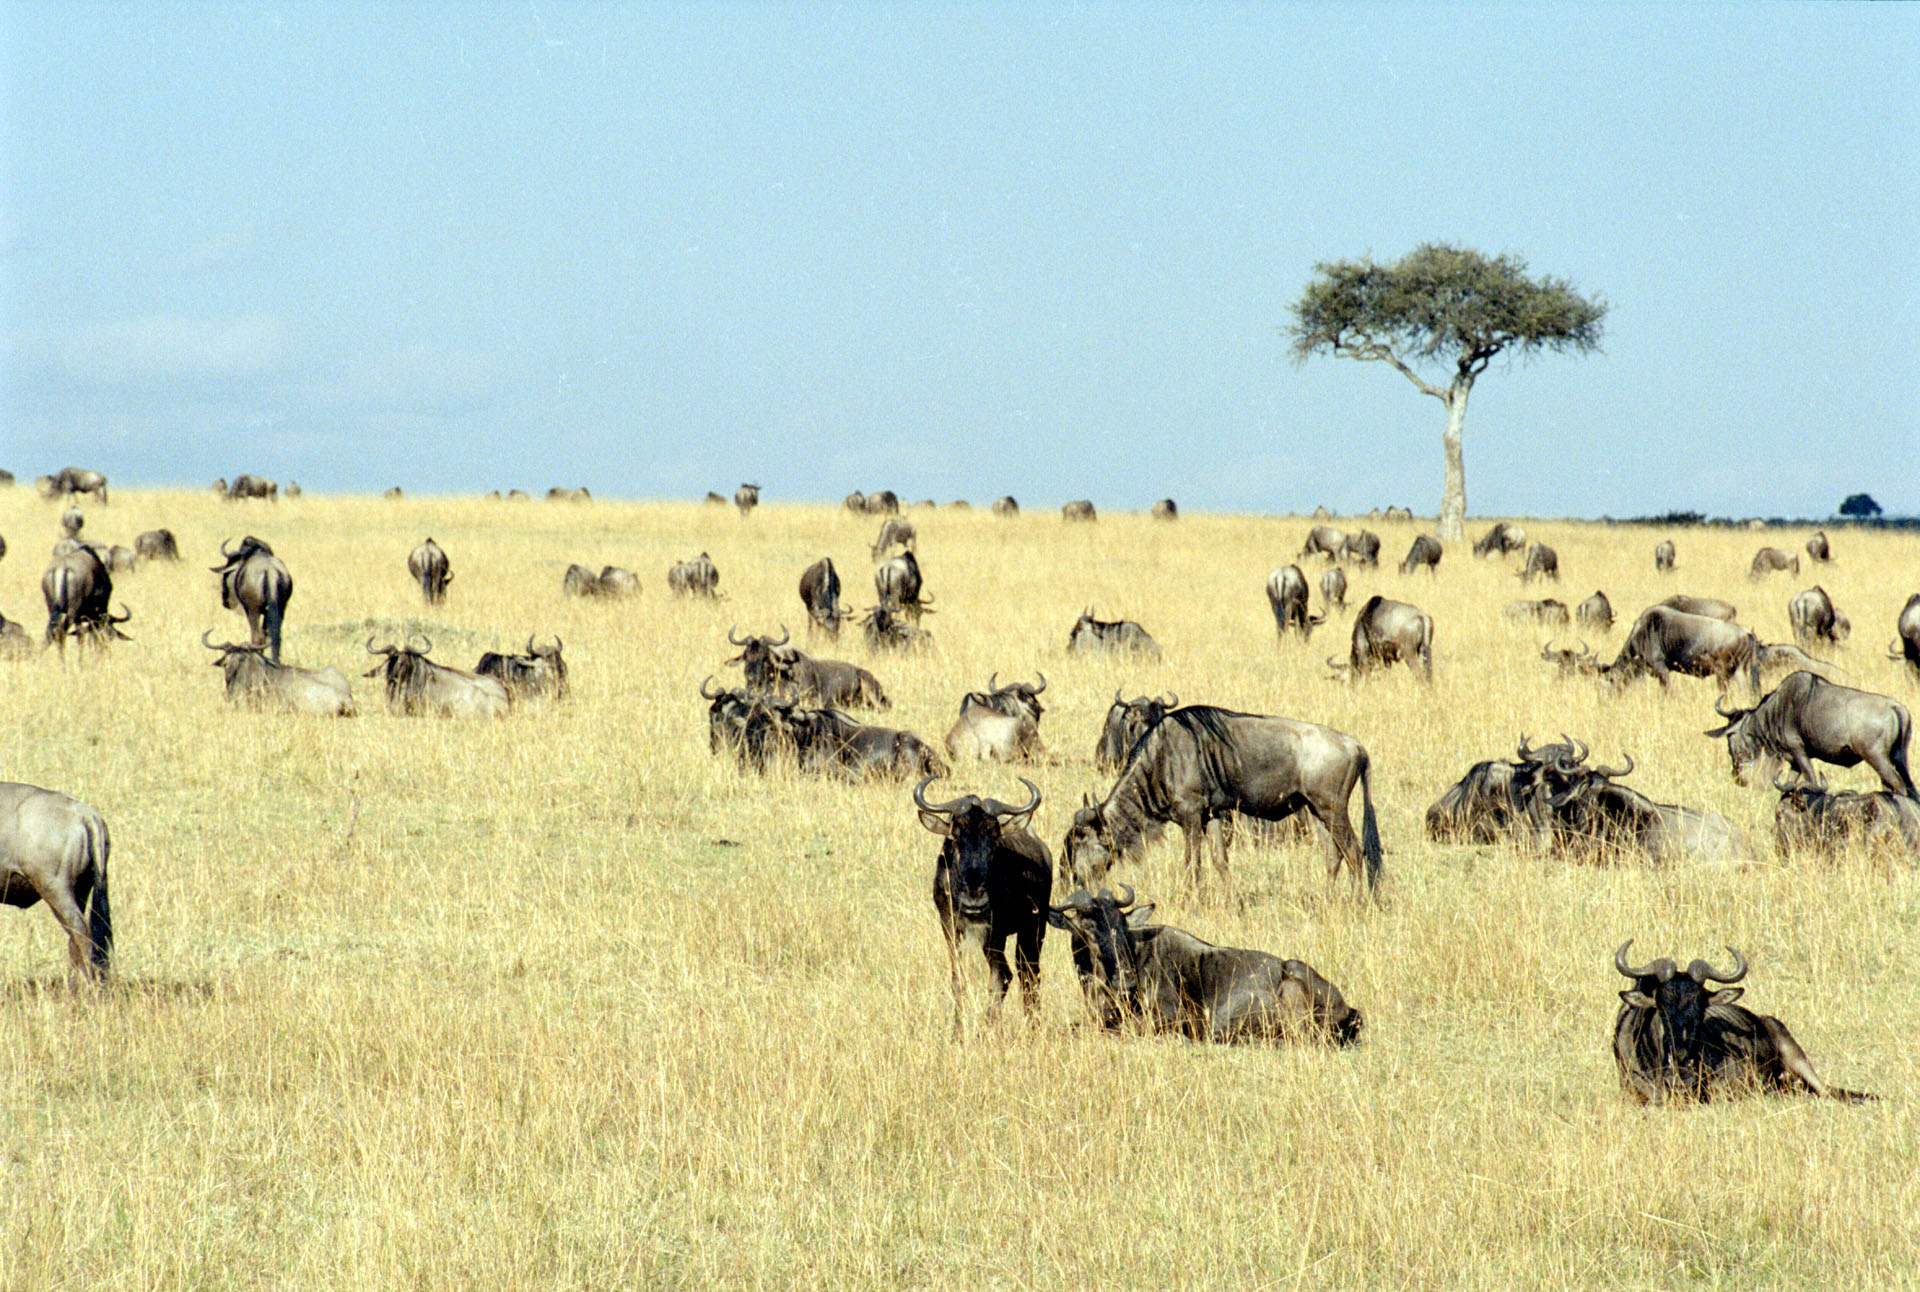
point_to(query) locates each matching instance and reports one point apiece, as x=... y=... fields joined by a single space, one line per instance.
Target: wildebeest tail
x=1369 y=825
x=99 y=910
x=275 y=613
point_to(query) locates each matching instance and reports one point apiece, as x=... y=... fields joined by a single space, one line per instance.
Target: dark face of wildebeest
x=1669 y=1051
x=541 y=671
x=758 y=661
x=1101 y=928
x=1127 y=721
x=1807 y=719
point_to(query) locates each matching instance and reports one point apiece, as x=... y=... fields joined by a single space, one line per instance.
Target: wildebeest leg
x=1026 y=958
x=1220 y=835
x=1893 y=771
x=1002 y=976
x=1342 y=846
x=79 y=941
x=1795 y=1067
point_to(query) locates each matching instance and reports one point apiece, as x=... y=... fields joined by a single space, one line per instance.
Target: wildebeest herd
x=1210 y=770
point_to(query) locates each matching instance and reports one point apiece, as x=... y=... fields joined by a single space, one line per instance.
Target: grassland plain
x=563 y=1001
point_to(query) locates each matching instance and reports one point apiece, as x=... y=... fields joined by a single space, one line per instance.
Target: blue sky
x=955 y=251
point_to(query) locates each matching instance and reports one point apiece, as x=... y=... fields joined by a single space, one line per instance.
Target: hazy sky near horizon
x=953 y=250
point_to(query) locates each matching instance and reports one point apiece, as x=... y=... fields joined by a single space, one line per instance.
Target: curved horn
x=1706 y=971
x=736 y=641
x=529 y=643
x=1546 y=652
x=1526 y=754
x=121 y=618
x=388 y=649
x=1725 y=713
x=1777 y=779
x=940 y=809
x=1610 y=773
x=1172 y=701
x=706 y=694
x=558 y=645
x=424 y=650
x=1579 y=745
x=998 y=808
x=1620 y=962
x=223 y=646
x=225 y=555
x=1043 y=681
x=785 y=636
x=993 y=681
x=1126 y=902
x=1118 y=698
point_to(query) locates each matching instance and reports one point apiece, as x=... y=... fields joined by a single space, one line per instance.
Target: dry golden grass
x=562 y=1001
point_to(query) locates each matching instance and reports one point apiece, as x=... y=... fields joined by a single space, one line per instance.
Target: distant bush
x=1860 y=504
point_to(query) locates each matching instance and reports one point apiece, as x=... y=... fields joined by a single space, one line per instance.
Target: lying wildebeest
x=1906 y=631
x=1491 y=802
x=886 y=631
x=1005 y=505
x=77 y=590
x=1711 y=607
x=960 y=504
x=14 y=641
x=72 y=520
x=1333 y=588
x=392 y=494
x=1001 y=723
x=617 y=581
x=1771 y=560
x=68 y=481
x=559 y=493
x=832 y=744
x=1287 y=595
x=1423 y=555
x=991 y=883
x=1324 y=541
x=698 y=577
x=1174 y=982
x=1675 y=1039
x=1386 y=633
x=1079 y=510
x=1818 y=548
x=1542 y=562
x=416 y=685
x=54 y=848
x=1200 y=763
x=1814 y=820
x=1500 y=540
x=293 y=489
x=256 y=582
x=1581 y=812
x=884 y=503
x=774 y=666
x=156 y=545
x=428 y=566
x=1595 y=612
x=1814 y=619
x=579 y=581
x=897 y=581
x=855 y=502
x=749 y=726
x=1164 y=510
x=894 y=532
x=541 y=672
x=715 y=500
x=121 y=559
x=1548 y=611
x=1664 y=641
x=1399 y=513
x=746 y=498
x=820 y=594
x=1663 y=556
x=1124 y=635
x=249 y=486
x=1127 y=721
x=1807 y=719
x=253 y=679
x=1362 y=547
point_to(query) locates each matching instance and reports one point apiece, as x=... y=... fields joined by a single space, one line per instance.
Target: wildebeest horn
x=1043 y=681
x=1117 y=697
x=1893 y=649
x=225 y=555
x=940 y=809
x=424 y=650
x=1778 y=786
x=529 y=643
x=1725 y=713
x=121 y=618
x=1610 y=773
x=1125 y=903
x=993 y=680
x=223 y=646
x=736 y=641
x=1700 y=971
x=1620 y=962
x=997 y=808
x=388 y=649
x=784 y=637
x=1546 y=653
x=1172 y=701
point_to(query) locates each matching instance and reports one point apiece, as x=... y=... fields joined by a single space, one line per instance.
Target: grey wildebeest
x=1174 y=982
x=1324 y=541
x=1663 y=556
x=1200 y=763
x=156 y=545
x=393 y=493
x=820 y=594
x=1399 y=513
x=1333 y=588
x=256 y=582
x=616 y=581
x=773 y=666
x=746 y=498
x=1595 y=612
x=884 y=503
x=1817 y=546
x=1491 y=802
x=14 y=641
x=1164 y=510
x=293 y=489
x=1005 y=506
x=894 y=532
x=1542 y=562
x=751 y=727
x=1807 y=719
x=829 y=743
x=714 y=499
x=77 y=590
x=1825 y=822
x=1500 y=540
x=68 y=481
x=416 y=685
x=991 y=883
x=556 y=494
x=1119 y=635
x=1078 y=510
x=1814 y=619
x=539 y=673
x=1663 y=641
x=72 y=520
x=1001 y=723
x=428 y=566
x=855 y=502
x=1362 y=547
x=1386 y=633
x=579 y=581
x=1287 y=595
x=886 y=631
x=1580 y=812
x=1547 y=611
x=1675 y=1039
x=897 y=582
x=1711 y=607
x=1127 y=721
x=1423 y=555
x=249 y=486
x=1906 y=637
x=54 y=848
x=255 y=681
x=697 y=577
x=1771 y=560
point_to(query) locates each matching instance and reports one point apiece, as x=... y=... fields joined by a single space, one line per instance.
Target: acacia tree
x=1441 y=305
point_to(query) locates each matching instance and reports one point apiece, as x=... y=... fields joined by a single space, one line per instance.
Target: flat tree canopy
x=1441 y=306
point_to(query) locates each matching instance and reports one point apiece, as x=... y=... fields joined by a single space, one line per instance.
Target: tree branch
x=1372 y=350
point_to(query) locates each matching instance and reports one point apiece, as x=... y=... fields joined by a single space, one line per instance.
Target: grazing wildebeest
x=293 y=489
x=1818 y=548
x=746 y=498
x=1771 y=560
x=1542 y=562
x=1906 y=631
x=1675 y=1039
x=1174 y=982
x=392 y=494
x=1005 y=505
x=1814 y=820
x=1664 y=640
x=1333 y=588
x=1424 y=554
x=1200 y=763
x=539 y=673
x=1001 y=723
x=1595 y=612
x=1711 y=607
x=249 y=486
x=894 y=532
x=1814 y=619
x=1663 y=556
x=897 y=581
x=72 y=520
x=616 y=581
x=1807 y=719
x=1287 y=595
x=1127 y=721
x=428 y=566
x=68 y=481
x=855 y=502
x=830 y=743
x=1500 y=540
x=1079 y=510
x=417 y=685
x=77 y=589
x=254 y=680
x=1324 y=541
x=579 y=581
x=54 y=848
x=886 y=631
x=1387 y=633
x=991 y=883
x=820 y=594
x=1548 y=611
x=1164 y=510
x=1362 y=547
x=14 y=641
x=698 y=577
x=884 y=503
x=1124 y=635
x=156 y=545
x=256 y=582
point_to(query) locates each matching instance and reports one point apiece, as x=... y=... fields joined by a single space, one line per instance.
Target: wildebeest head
x=972 y=827
x=1127 y=721
x=1744 y=747
x=1104 y=930
x=243 y=666
x=1681 y=999
x=758 y=660
x=1015 y=698
x=1581 y=661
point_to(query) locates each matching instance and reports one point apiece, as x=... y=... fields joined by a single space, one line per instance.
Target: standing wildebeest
x=1174 y=982
x=1500 y=540
x=1664 y=640
x=884 y=631
x=1079 y=510
x=1547 y=611
x=246 y=486
x=1906 y=631
x=256 y=582
x=1164 y=510
x=1424 y=554
x=1287 y=595
x=1362 y=547
x=1333 y=588
x=884 y=503
x=698 y=577
x=253 y=679
x=1771 y=560
x=1386 y=633
x=897 y=582
x=68 y=481
x=417 y=685
x=1001 y=723
x=1675 y=1039
x=1090 y=634
x=1814 y=618
x=1711 y=607
x=1817 y=546
x=428 y=566
x=1127 y=721
x=1595 y=612
x=77 y=589
x=1810 y=819
x=746 y=498
x=1807 y=719
x=1663 y=556
x=540 y=673
x=157 y=545
x=1200 y=764
x=1005 y=505
x=54 y=848
x=1324 y=541
x=991 y=883
x=1542 y=562
x=894 y=532
x=820 y=594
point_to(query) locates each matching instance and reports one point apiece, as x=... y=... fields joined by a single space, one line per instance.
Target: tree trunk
x=1453 y=493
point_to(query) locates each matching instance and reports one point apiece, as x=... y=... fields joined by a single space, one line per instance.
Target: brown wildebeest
x=1122 y=635
x=1005 y=506
x=894 y=532
x=256 y=582
x=1079 y=510
x=428 y=566
x=539 y=673
x=1906 y=643
x=416 y=685
x=248 y=486
x=1333 y=588
x=1771 y=560
x=1001 y=723
x=1542 y=562
x=1127 y=721
x=1387 y=633
x=1595 y=612
x=698 y=577
x=1423 y=555
x=68 y=481
x=1827 y=822
x=1547 y=611
x=1324 y=541
x=1500 y=540
x=1807 y=719
x=77 y=590
x=256 y=681
x=157 y=545
x=897 y=583
x=1663 y=556
x=1818 y=548
x=54 y=848
x=1287 y=595
x=1362 y=548
x=1814 y=619
x=1711 y=607
x=820 y=594
x=746 y=498
x=1164 y=510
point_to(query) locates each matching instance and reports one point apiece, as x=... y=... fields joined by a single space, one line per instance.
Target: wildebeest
x=72 y=480
x=1711 y=607
x=1005 y=505
x=254 y=680
x=1424 y=554
x=884 y=503
x=991 y=883
x=1814 y=619
x=1362 y=547
x=1675 y=1039
x=1663 y=556
x=1287 y=595
x=392 y=494
x=416 y=685
x=775 y=666
x=54 y=848
x=616 y=581
x=256 y=582
x=1818 y=548
x=1542 y=562
x=1583 y=812
x=1386 y=633
x=1121 y=635
x=752 y=727
x=1906 y=639
x=293 y=489
x=561 y=494
x=14 y=641
x=855 y=502
x=715 y=500
x=894 y=532
x=1814 y=820
x=1127 y=721
x=746 y=498
x=1491 y=801
x=1664 y=641
x=830 y=743
x=428 y=566
x=1078 y=510
x=1324 y=541
x=897 y=581
x=1771 y=560
x=886 y=631
x=541 y=672
x=250 y=486
x=77 y=590
x=72 y=520
x=119 y=558
x=1500 y=540
x=1164 y=510
x=1333 y=588
x=156 y=545
x=579 y=581
x=1174 y=982
x=1200 y=763
x=1807 y=719
x=1547 y=611
x=820 y=594
x=1399 y=513
x=1001 y=723
x=698 y=577
x=1595 y=612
